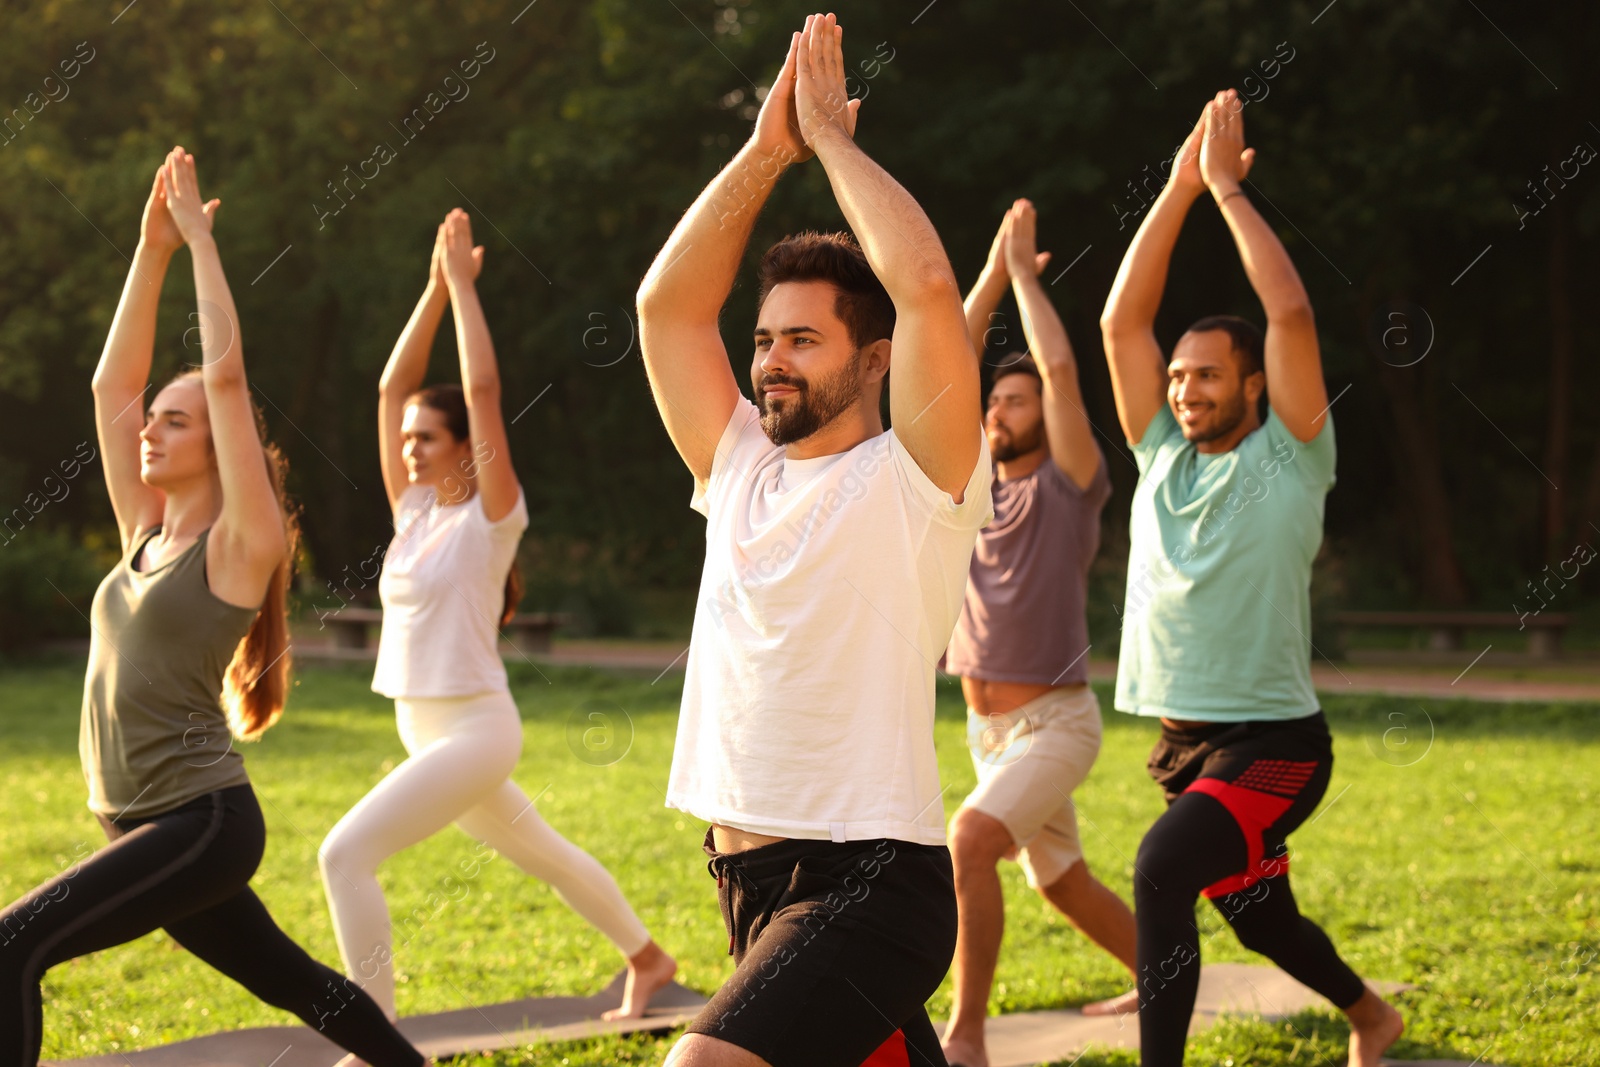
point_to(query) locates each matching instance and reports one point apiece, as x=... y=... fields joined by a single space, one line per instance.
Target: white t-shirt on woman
x=830 y=589
x=443 y=591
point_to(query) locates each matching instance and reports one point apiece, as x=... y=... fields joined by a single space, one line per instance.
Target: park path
x=1567 y=680
x=1474 y=683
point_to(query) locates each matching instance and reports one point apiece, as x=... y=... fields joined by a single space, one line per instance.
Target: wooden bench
x=1447 y=629
x=530 y=632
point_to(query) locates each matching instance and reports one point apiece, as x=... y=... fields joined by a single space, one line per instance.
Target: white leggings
x=462 y=752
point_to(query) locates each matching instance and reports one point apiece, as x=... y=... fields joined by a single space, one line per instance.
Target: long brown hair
x=450 y=400
x=256 y=684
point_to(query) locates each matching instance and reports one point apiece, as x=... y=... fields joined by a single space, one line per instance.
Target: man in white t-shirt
x=836 y=560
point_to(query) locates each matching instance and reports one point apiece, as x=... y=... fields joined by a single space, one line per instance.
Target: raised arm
x=248 y=540
x=1127 y=325
x=993 y=281
x=935 y=391
x=685 y=288
x=480 y=376
x=123 y=375
x=1295 y=386
x=1066 y=422
x=407 y=367
x=986 y=293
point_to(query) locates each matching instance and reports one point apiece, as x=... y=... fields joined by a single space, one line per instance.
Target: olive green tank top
x=153 y=734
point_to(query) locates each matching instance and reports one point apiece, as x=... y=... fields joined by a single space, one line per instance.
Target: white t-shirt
x=443 y=590
x=830 y=589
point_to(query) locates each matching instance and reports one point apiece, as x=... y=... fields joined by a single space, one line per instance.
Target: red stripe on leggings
x=1254 y=812
x=892 y=1053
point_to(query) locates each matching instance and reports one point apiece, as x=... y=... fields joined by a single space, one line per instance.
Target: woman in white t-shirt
x=448 y=584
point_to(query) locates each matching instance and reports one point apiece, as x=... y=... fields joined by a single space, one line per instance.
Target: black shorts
x=838 y=945
x=1269 y=775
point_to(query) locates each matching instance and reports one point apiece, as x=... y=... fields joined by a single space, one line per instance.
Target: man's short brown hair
x=862 y=303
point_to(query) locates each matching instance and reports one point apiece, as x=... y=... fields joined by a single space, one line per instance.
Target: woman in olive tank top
x=189 y=651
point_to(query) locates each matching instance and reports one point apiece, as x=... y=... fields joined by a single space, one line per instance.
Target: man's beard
x=1013 y=446
x=812 y=407
x=1229 y=414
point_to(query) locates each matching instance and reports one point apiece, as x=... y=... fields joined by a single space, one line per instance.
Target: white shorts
x=1029 y=761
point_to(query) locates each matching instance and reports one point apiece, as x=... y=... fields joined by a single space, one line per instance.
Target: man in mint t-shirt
x=1226 y=520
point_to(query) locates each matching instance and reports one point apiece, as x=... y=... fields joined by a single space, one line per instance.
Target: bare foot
x=1374 y=1026
x=649 y=971
x=962 y=1052
x=1126 y=1004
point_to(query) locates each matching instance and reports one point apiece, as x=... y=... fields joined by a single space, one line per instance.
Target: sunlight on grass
x=1460 y=855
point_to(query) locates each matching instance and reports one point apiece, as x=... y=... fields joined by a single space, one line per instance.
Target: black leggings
x=1223 y=835
x=188 y=871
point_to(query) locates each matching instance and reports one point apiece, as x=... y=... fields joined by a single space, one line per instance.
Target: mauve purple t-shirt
x=1023 y=619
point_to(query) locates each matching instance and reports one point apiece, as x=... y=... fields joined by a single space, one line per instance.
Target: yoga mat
x=1026 y=1039
x=474 y=1029
x=1022 y=1039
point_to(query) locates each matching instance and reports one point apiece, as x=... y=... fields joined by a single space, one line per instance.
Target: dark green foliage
x=47 y=580
x=1393 y=146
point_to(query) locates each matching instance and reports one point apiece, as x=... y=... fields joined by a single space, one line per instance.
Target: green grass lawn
x=1458 y=849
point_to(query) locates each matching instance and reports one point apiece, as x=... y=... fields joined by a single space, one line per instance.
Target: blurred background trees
x=1430 y=168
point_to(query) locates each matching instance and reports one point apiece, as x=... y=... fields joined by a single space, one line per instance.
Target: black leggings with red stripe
x=1223 y=835
x=186 y=871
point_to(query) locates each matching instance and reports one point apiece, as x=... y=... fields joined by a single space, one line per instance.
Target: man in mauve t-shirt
x=836 y=553
x=1021 y=647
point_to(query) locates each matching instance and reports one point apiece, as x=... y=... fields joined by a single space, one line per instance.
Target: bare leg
x=701 y=1050
x=1104 y=919
x=977 y=844
x=1374 y=1026
x=649 y=971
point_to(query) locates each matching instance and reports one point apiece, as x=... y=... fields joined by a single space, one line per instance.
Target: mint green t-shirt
x=1216 y=623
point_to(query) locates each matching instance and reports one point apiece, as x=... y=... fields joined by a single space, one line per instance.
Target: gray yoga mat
x=1026 y=1039
x=476 y=1029
x=1023 y=1039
